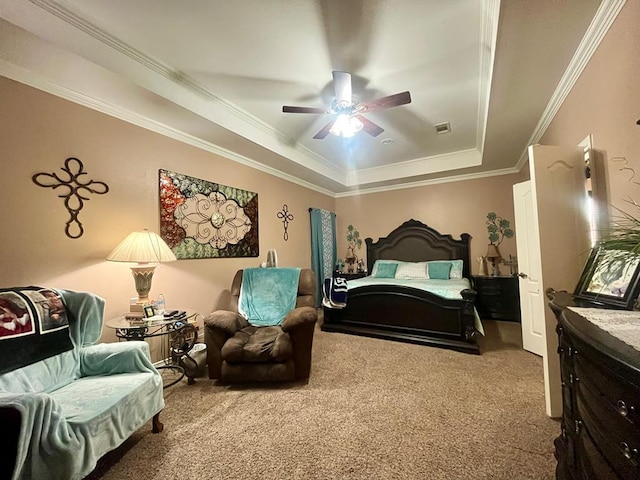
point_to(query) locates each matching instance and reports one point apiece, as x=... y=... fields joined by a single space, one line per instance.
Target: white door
x=529 y=264
x=559 y=210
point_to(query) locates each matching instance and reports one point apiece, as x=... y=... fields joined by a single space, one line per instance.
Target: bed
x=401 y=312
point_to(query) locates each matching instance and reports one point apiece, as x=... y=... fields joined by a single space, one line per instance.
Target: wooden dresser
x=600 y=434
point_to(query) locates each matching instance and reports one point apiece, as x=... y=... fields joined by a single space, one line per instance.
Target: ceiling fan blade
x=342 y=87
x=370 y=127
x=325 y=131
x=385 y=102
x=288 y=109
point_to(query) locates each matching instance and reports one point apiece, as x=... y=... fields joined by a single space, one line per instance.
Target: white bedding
x=444 y=288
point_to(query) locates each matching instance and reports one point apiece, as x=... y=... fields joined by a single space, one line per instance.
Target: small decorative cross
x=73 y=199
x=286 y=217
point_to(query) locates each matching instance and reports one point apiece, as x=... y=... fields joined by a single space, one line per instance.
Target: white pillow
x=415 y=270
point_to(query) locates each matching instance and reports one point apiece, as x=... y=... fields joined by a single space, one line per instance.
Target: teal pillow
x=386 y=270
x=439 y=270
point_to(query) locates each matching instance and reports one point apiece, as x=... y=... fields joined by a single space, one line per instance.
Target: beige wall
x=39 y=131
x=605 y=102
x=453 y=208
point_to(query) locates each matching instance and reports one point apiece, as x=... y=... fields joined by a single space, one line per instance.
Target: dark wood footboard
x=408 y=315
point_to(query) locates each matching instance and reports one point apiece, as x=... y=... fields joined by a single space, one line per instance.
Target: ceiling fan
x=349 y=119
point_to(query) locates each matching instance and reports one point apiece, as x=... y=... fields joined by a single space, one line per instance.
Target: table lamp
x=350 y=258
x=145 y=249
x=493 y=254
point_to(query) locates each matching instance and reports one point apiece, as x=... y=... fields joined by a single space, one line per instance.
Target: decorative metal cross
x=286 y=217
x=73 y=200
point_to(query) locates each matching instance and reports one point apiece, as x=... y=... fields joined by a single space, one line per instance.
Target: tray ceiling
x=217 y=73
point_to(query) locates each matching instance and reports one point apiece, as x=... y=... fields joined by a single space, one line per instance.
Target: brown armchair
x=239 y=352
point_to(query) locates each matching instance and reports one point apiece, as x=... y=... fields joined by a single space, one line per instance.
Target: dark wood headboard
x=413 y=241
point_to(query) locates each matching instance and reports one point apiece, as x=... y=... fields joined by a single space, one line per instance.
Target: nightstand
x=349 y=276
x=498 y=297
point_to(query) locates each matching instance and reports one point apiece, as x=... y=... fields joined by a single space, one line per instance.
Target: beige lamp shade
x=350 y=256
x=145 y=248
x=142 y=247
x=493 y=252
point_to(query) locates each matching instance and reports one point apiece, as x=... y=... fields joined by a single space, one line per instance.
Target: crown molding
x=435 y=181
x=605 y=16
x=40 y=82
x=418 y=166
x=488 y=39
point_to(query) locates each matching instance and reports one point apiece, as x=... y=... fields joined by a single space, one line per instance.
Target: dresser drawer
x=591 y=463
x=620 y=397
x=498 y=297
x=600 y=430
x=613 y=443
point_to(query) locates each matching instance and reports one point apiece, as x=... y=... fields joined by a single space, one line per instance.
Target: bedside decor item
x=512 y=263
x=286 y=217
x=76 y=189
x=353 y=241
x=610 y=277
x=145 y=249
x=493 y=255
x=482 y=266
x=498 y=229
x=272 y=258
x=202 y=219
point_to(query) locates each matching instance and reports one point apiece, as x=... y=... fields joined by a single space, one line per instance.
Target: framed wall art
x=203 y=219
x=610 y=277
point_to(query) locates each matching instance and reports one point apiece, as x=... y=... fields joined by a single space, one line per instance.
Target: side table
x=349 y=276
x=181 y=335
x=498 y=297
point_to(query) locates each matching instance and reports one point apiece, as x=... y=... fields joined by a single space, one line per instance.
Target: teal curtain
x=323 y=247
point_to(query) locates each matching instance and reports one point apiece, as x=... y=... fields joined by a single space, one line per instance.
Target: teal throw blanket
x=268 y=294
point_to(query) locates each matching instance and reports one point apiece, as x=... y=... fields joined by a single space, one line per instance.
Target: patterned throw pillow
x=456 y=269
x=34 y=325
x=412 y=270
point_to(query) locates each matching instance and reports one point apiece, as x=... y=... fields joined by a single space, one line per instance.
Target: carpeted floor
x=373 y=409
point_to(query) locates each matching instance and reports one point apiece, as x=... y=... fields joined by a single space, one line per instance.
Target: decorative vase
x=482 y=266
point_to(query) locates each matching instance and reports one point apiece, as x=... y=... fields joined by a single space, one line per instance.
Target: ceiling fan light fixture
x=346 y=126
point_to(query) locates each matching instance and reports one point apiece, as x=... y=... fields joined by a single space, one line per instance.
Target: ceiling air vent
x=444 y=127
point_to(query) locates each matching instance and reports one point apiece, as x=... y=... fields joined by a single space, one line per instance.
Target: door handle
x=523 y=275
